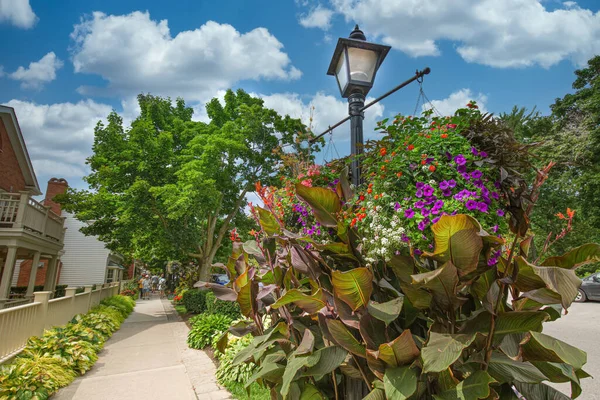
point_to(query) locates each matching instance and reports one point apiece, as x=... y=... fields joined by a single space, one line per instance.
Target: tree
x=570 y=136
x=169 y=187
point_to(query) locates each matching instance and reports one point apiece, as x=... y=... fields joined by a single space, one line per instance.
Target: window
x=110 y=275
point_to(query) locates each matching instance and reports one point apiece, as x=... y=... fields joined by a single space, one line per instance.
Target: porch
x=32 y=231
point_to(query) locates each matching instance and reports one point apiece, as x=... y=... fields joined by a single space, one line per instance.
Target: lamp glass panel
x=340 y=72
x=362 y=64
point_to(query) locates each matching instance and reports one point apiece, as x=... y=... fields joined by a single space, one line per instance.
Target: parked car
x=221 y=279
x=590 y=288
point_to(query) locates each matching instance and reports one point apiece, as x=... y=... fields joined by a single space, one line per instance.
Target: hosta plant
x=227 y=372
x=462 y=319
x=205 y=327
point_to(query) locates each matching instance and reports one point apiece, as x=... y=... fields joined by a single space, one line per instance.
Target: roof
x=8 y=116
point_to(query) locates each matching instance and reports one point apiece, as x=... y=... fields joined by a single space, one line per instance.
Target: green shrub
x=52 y=373
x=216 y=306
x=124 y=304
x=15 y=384
x=227 y=372
x=77 y=355
x=239 y=392
x=205 y=327
x=195 y=301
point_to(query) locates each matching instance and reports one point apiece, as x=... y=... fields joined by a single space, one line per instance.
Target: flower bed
x=62 y=353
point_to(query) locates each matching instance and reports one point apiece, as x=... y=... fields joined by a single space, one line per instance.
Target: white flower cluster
x=382 y=233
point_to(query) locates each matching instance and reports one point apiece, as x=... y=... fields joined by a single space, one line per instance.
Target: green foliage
x=124 y=304
x=168 y=187
x=216 y=306
x=194 y=301
x=227 y=372
x=205 y=327
x=257 y=392
x=53 y=360
x=434 y=323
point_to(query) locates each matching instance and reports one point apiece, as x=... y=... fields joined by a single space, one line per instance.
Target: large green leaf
x=403 y=267
x=505 y=369
x=309 y=303
x=295 y=363
x=419 y=298
x=540 y=347
x=442 y=283
x=476 y=386
x=310 y=392
x=540 y=391
x=506 y=322
x=353 y=287
x=563 y=282
x=330 y=358
x=343 y=337
x=268 y=371
x=388 y=311
x=588 y=253
x=399 y=383
x=307 y=344
x=457 y=240
x=560 y=372
x=267 y=221
x=324 y=203
x=375 y=394
x=399 y=351
x=443 y=349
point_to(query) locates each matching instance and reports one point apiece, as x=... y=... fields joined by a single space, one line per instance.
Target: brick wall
x=11 y=177
x=55 y=186
x=40 y=279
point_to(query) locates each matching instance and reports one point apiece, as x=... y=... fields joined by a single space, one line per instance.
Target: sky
x=65 y=64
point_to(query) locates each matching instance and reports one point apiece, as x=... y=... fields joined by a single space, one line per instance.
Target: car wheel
x=581 y=297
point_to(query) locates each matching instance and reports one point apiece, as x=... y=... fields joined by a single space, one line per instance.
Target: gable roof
x=8 y=116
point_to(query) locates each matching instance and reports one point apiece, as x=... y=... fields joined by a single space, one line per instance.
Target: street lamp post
x=354 y=64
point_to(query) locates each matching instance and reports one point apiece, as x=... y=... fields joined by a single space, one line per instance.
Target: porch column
x=32 y=275
x=5 y=281
x=50 y=284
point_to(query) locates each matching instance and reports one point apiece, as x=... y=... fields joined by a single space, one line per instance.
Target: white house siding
x=15 y=277
x=85 y=258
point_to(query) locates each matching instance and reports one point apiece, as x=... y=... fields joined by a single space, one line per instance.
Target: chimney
x=55 y=186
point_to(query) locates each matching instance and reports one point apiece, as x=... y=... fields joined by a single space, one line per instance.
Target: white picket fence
x=17 y=324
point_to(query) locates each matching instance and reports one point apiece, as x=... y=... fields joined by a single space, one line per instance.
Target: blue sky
x=66 y=64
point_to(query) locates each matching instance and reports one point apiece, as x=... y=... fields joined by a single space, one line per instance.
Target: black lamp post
x=355 y=63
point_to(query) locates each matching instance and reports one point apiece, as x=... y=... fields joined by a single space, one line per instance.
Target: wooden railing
x=21 y=211
x=17 y=324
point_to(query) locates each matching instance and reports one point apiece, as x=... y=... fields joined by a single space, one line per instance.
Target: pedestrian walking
x=147 y=286
x=141 y=286
x=162 y=282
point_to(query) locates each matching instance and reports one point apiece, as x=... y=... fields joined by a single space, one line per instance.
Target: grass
x=257 y=392
x=180 y=309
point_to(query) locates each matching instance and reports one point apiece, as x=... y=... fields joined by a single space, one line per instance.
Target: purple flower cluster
x=494 y=258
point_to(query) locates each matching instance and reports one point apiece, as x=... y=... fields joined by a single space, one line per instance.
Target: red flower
x=369 y=190
x=411 y=147
x=382 y=151
x=361 y=197
x=432 y=168
x=444 y=135
x=399 y=174
x=451 y=126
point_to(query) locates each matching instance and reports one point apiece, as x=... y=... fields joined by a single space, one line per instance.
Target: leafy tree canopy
x=169 y=187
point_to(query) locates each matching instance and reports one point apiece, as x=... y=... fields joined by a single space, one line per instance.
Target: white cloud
x=59 y=136
x=508 y=33
x=17 y=13
x=318 y=17
x=39 y=72
x=135 y=53
x=456 y=100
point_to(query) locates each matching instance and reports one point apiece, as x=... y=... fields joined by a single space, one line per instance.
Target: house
x=87 y=261
x=29 y=230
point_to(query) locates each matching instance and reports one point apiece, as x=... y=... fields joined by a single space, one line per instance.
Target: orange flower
x=376 y=196
x=411 y=147
x=382 y=151
x=423 y=155
x=383 y=167
x=432 y=168
x=570 y=212
x=444 y=135
x=369 y=190
x=253 y=233
x=428 y=136
x=399 y=174
x=560 y=215
x=393 y=153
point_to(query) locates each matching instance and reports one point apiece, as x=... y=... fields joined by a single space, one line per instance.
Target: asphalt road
x=581 y=328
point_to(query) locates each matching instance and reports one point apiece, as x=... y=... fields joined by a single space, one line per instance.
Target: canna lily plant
x=463 y=320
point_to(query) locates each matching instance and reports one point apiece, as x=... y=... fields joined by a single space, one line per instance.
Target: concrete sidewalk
x=146 y=359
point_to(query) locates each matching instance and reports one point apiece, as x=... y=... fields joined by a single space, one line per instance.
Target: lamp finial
x=357 y=34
